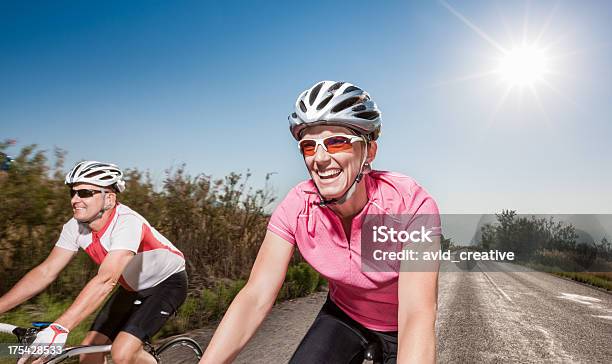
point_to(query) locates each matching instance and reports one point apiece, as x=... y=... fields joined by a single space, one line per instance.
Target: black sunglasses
x=84 y=193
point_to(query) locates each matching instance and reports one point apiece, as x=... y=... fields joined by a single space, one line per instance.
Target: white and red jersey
x=156 y=258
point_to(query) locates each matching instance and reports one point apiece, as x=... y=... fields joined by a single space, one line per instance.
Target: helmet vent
x=315 y=92
x=324 y=102
x=369 y=115
x=350 y=89
x=335 y=86
x=346 y=104
x=361 y=107
x=302 y=106
x=294 y=115
x=96 y=173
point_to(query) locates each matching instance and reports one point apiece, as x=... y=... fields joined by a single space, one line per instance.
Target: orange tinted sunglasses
x=332 y=144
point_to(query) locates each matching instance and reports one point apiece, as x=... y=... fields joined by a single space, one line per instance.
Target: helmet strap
x=101 y=212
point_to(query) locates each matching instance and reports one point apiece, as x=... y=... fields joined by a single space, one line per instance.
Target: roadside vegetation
x=550 y=246
x=218 y=224
x=598 y=279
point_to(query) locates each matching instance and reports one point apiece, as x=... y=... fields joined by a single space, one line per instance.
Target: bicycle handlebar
x=7 y=329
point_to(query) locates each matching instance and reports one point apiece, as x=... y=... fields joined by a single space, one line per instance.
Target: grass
x=597 y=279
x=44 y=308
x=596 y=272
x=602 y=280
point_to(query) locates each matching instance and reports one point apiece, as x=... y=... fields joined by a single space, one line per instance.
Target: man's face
x=85 y=209
x=333 y=173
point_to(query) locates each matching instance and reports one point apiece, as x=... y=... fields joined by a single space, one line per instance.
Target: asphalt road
x=522 y=317
x=502 y=316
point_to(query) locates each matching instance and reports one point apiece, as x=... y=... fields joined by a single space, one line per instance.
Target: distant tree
x=445 y=243
x=604 y=247
x=489 y=236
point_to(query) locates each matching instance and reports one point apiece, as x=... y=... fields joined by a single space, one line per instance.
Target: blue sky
x=154 y=84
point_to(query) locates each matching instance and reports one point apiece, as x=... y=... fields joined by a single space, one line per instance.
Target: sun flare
x=529 y=64
x=523 y=66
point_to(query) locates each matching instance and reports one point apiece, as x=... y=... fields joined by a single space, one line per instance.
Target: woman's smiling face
x=333 y=173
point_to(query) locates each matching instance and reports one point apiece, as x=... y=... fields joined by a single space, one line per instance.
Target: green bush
x=301 y=281
x=199 y=310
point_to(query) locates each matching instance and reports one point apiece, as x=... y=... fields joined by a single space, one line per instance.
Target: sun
x=523 y=66
x=530 y=66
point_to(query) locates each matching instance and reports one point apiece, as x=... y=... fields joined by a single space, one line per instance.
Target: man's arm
x=418 y=304
x=37 y=279
x=253 y=302
x=97 y=289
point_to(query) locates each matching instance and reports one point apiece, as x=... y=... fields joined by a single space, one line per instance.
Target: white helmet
x=97 y=173
x=336 y=103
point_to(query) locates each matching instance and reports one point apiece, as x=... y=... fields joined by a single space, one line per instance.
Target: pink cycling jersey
x=370 y=298
x=156 y=258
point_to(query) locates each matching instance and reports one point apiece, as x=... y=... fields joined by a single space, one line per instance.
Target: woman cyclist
x=336 y=125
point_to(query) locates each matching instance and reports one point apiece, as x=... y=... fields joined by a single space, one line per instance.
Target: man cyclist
x=336 y=125
x=149 y=270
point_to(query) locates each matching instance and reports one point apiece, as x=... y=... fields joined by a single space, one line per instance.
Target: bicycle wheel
x=181 y=350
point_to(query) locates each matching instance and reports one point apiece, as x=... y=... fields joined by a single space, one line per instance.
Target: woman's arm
x=418 y=303
x=253 y=302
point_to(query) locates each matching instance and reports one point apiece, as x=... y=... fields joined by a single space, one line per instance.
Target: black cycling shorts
x=335 y=338
x=142 y=313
